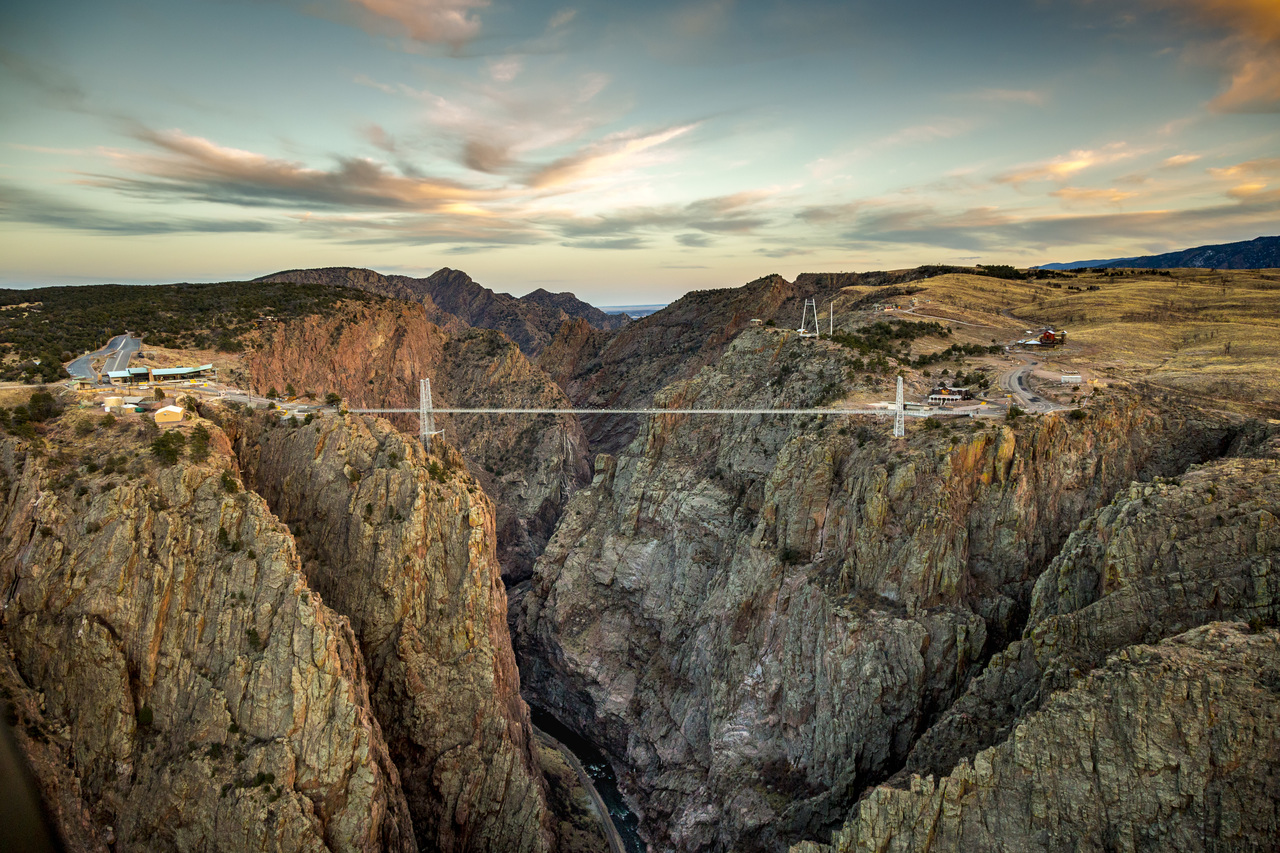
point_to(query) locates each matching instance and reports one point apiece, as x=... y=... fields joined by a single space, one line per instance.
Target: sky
x=628 y=152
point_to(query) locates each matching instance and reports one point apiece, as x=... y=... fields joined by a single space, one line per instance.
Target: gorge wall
x=174 y=682
x=757 y=617
x=373 y=356
x=402 y=543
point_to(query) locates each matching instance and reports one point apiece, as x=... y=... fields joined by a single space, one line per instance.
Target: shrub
x=199 y=443
x=1014 y=413
x=332 y=399
x=1077 y=415
x=159 y=394
x=168 y=447
x=145 y=716
x=229 y=483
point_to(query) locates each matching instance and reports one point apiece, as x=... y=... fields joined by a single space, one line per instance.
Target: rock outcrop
x=1172 y=746
x=373 y=356
x=451 y=296
x=757 y=616
x=175 y=683
x=1164 y=557
x=403 y=544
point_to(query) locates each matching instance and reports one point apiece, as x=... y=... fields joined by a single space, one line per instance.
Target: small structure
x=129 y=376
x=944 y=394
x=162 y=374
x=756 y=321
x=169 y=415
x=1070 y=379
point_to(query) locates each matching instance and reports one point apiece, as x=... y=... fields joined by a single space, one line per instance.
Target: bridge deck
x=496 y=411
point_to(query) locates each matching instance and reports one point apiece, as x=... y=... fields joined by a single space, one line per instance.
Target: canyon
x=782 y=632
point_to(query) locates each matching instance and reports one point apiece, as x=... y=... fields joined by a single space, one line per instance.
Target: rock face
x=531 y=320
x=403 y=544
x=1172 y=746
x=1162 y=558
x=373 y=356
x=757 y=617
x=627 y=369
x=176 y=684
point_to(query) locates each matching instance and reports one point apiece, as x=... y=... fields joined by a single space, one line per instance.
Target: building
x=129 y=376
x=944 y=394
x=1070 y=379
x=169 y=415
x=166 y=374
x=139 y=375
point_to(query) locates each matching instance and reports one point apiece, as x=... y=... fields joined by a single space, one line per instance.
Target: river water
x=601 y=773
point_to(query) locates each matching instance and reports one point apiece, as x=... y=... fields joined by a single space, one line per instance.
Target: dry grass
x=1207 y=333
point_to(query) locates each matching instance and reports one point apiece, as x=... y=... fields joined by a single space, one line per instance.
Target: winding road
x=117 y=353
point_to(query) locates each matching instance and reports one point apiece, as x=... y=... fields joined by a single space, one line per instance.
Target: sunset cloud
x=1250 y=51
x=616 y=152
x=1079 y=196
x=448 y=21
x=1066 y=166
x=196 y=168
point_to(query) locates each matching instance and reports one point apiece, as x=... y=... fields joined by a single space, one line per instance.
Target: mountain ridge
x=531 y=320
x=1258 y=253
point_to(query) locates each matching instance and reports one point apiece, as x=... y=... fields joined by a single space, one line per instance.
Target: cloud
x=1264 y=166
x=694 y=241
x=1078 y=196
x=740 y=213
x=448 y=21
x=606 y=243
x=1178 y=160
x=1250 y=52
x=943 y=128
x=1066 y=166
x=987 y=229
x=615 y=152
x=194 y=167
x=1029 y=97
x=564 y=16
x=506 y=69
x=21 y=205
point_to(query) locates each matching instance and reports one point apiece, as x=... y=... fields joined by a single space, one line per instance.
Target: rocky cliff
x=1172 y=746
x=173 y=680
x=627 y=369
x=452 y=296
x=402 y=542
x=373 y=356
x=758 y=616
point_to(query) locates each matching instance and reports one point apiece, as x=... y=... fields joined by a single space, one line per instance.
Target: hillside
x=530 y=320
x=1258 y=254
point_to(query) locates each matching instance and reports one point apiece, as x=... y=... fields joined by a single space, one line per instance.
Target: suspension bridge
x=426 y=412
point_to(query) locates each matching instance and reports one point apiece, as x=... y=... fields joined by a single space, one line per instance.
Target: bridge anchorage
x=426 y=412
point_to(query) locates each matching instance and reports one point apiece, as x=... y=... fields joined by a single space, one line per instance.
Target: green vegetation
x=199 y=443
x=58 y=323
x=168 y=447
x=22 y=420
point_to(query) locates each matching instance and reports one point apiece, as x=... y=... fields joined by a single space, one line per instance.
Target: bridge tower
x=899 y=415
x=809 y=304
x=426 y=413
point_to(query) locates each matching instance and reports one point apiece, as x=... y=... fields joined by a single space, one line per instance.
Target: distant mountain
x=531 y=321
x=1258 y=254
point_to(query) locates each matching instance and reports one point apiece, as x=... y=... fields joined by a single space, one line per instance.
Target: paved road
x=1014 y=381
x=117 y=353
